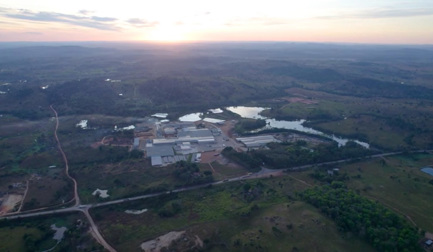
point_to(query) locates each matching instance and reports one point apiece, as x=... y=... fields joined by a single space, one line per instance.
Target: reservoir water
x=254 y=113
x=193 y=117
x=427 y=170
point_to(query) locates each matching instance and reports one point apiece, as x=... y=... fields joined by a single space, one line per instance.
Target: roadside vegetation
x=251 y=163
x=272 y=213
x=286 y=154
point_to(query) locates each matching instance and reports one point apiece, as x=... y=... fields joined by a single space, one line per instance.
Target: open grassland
x=49 y=190
x=122 y=179
x=288 y=227
x=375 y=130
x=396 y=182
x=399 y=184
x=256 y=215
x=229 y=170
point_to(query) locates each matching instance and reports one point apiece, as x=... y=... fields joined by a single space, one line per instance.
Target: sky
x=344 y=21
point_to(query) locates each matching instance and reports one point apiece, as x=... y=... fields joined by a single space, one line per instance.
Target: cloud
x=142 y=22
x=85 y=12
x=383 y=13
x=100 y=23
x=104 y=19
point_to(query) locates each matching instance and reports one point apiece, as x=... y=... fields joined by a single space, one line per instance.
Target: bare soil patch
x=227 y=128
x=210 y=156
x=10 y=202
x=161 y=242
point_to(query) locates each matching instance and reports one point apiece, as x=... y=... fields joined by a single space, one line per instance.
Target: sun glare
x=167 y=34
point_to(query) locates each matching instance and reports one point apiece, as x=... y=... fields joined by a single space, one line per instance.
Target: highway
x=264 y=172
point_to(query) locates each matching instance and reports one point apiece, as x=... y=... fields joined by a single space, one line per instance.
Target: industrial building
x=256 y=141
x=181 y=140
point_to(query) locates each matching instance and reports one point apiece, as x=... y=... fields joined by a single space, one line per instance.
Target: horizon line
x=219 y=41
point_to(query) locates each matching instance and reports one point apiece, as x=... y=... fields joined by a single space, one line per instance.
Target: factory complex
x=180 y=141
x=169 y=142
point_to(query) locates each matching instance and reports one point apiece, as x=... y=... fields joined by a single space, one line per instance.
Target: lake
x=254 y=113
x=427 y=170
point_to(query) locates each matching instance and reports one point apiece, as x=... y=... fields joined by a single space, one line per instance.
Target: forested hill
x=143 y=78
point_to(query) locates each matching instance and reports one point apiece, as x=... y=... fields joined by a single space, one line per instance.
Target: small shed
x=428 y=242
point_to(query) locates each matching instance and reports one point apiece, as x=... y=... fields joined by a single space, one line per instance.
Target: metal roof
x=156 y=160
x=256 y=141
x=159 y=150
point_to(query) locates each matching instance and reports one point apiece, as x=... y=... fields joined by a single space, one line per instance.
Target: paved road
x=262 y=173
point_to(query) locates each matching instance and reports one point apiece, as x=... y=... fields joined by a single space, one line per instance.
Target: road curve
x=59 y=146
x=95 y=232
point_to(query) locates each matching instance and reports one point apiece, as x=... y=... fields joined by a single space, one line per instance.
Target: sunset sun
x=167 y=34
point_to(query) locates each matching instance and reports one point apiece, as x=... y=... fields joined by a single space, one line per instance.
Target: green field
x=396 y=182
x=257 y=215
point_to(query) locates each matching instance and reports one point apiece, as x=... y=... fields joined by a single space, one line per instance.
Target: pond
x=254 y=113
x=193 y=117
x=427 y=170
x=58 y=235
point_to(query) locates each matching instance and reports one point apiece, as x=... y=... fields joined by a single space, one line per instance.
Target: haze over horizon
x=341 y=21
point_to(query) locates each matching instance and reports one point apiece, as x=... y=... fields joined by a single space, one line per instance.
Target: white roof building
x=256 y=141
